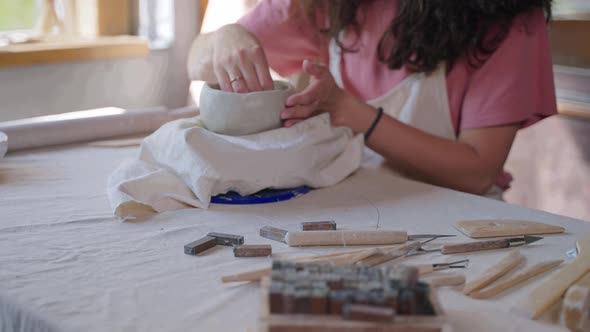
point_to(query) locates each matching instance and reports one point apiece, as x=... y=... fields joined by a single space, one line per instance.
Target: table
x=67 y=264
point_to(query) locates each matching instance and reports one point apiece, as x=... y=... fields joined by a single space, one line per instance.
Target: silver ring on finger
x=235 y=79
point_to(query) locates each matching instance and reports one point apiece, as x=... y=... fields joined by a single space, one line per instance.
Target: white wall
x=155 y=80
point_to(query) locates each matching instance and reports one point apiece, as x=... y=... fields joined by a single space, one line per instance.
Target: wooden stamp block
x=253 y=250
x=200 y=245
x=303 y=301
x=318 y=226
x=227 y=239
x=404 y=275
x=319 y=301
x=407 y=302
x=391 y=298
x=288 y=305
x=272 y=233
x=367 y=313
x=276 y=297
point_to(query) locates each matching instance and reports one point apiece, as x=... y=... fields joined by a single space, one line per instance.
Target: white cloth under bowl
x=183 y=164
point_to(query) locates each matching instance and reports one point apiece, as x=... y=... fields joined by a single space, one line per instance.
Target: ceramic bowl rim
x=282 y=87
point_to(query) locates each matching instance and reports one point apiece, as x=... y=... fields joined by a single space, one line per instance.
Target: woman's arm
x=469 y=164
x=232 y=57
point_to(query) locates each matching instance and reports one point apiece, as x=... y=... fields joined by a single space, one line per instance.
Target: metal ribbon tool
x=478 y=246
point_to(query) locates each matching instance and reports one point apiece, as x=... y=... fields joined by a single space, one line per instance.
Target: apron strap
x=335 y=61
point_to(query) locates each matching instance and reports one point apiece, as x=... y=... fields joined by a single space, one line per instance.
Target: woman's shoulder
x=515 y=83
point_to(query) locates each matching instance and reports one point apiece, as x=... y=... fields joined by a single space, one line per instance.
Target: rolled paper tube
x=96 y=124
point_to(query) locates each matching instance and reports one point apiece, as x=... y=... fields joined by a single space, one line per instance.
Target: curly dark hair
x=427 y=32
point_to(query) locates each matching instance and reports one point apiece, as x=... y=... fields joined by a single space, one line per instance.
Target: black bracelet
x=374 y=125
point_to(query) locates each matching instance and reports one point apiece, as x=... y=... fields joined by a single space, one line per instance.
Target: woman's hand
x=323 y=95
x=232 y=57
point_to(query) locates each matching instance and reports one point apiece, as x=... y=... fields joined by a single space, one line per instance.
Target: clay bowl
x=239 y=114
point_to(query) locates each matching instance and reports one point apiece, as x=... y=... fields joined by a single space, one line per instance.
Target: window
x=48 y=31
x=572 y=9
x=18 y=15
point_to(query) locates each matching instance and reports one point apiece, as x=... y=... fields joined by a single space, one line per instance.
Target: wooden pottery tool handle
x=474 y=246
x=516 y=280
x=425 y=269
x=575 y=311
x=343 y=258
x=386 y=255
x=448 y=279
x=494 y=272
x=344 y=238
x=551 y=290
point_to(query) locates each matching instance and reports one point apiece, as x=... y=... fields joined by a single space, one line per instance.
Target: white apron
x=420 y=101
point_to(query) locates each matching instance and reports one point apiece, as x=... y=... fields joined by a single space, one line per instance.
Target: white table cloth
x=66 y=264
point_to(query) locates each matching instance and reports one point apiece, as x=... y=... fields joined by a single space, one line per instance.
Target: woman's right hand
x=239 y=62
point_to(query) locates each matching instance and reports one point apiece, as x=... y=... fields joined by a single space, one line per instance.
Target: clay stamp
x=272 y=233
x=200 y=245
x=227 y=239
x=253 y=250
x=318 y=226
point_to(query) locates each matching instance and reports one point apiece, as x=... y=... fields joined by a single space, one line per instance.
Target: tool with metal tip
x=429 y=268
x=480 y=245
x=352 y=237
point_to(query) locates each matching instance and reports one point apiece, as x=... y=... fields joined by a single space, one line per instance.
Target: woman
x=438 y=87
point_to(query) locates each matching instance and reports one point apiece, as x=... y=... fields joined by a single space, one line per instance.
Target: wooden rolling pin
x=551 y=290
x=345 y=237
x=575 y=311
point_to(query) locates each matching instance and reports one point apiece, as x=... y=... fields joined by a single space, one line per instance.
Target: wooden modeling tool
x=496 y=228
x=386 y=255
x=516 y=280
x=445 y=280
x=336 y=259
x=480 y=245
x=494 y=272
x=551 y=290
x=351 y=237
x=575 y=311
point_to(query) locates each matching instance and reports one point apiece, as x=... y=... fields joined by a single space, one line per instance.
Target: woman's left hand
x=324 y=96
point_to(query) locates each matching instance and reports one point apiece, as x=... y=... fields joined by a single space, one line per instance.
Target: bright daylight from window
x=17 y=14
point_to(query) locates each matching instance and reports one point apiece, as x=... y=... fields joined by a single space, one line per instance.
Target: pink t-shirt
x=514 y=85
